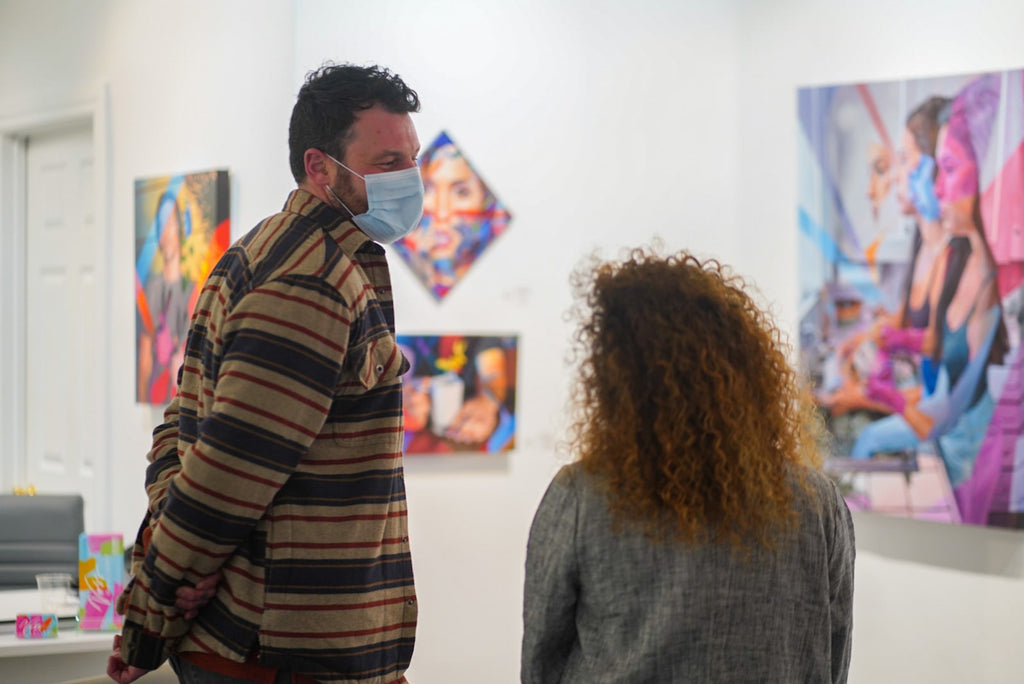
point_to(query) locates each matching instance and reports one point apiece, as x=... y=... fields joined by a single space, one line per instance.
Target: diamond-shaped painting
x=461 y=218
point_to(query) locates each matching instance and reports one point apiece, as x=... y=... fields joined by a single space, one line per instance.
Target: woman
x=970 y=333
x=695 y=538
x=907 y=335
x=164 y=312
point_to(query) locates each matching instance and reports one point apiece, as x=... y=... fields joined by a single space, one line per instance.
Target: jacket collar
x=340 y=227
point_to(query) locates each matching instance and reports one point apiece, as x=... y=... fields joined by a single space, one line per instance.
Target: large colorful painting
x=182 y=227
x=912 y=261
x=459 y=393
x=461 y=218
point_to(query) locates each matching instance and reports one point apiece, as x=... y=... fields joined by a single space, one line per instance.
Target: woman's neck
x=932 y=234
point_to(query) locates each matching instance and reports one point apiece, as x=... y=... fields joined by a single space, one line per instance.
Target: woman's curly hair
x=685 y=405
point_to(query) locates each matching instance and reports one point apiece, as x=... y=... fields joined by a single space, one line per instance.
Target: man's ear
x=316 y=164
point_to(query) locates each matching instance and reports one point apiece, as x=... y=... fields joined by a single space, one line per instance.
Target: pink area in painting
x=1005 y=229
x=101 y=578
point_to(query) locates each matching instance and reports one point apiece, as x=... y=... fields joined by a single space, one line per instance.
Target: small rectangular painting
x=182 y=227
x=911 y=223
x=459 y=393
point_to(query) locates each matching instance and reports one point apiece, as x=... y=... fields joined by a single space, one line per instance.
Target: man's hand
x=475 y=421
x=190 y=599
x=120 y=671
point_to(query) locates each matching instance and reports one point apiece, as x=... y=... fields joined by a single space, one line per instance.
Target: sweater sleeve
x=552 y=584
x=283 y=349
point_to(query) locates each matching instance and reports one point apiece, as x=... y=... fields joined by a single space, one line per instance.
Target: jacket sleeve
x=163 y=464
x=283 y=349
x=840 y=570
x=163 y=459
x=552 y=584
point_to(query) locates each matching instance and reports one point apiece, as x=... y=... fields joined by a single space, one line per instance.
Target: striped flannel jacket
x=279 y=463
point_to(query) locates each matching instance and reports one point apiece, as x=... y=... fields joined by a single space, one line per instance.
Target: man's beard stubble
x=350 y=195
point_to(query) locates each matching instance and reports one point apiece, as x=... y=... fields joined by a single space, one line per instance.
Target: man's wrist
x=142 y=650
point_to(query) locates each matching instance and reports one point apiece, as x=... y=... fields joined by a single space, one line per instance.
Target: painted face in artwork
x=170 y=239
x=908 y=158
x=454 y=200
x=956 y=184
x=461 y=218
x=880 y=179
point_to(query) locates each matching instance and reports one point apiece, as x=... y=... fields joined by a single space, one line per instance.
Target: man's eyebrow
x=387 y=154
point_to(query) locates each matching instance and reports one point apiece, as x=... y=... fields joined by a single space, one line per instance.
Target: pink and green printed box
x=100 y=581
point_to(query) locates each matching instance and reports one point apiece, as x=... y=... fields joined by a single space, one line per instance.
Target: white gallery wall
x=599 y=124
x=190 y=86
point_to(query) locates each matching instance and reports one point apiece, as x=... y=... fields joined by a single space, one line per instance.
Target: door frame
x=14 y=133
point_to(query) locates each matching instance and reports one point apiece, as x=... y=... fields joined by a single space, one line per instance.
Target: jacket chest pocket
x=373 y=362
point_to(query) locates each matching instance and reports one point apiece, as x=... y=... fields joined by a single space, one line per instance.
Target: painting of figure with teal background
x=182 y=227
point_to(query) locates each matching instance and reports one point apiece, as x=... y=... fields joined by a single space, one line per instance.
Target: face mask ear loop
x=344 y=167
x=329 y=189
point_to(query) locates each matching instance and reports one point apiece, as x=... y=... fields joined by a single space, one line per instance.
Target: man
x=275 y=547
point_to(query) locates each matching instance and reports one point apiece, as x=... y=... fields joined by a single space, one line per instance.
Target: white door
x=64 y=251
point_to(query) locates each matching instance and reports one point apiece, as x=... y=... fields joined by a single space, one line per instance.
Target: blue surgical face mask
x=395 y=201
x=922 y=189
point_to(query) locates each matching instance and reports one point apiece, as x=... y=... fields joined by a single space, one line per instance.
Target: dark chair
x=39 y=534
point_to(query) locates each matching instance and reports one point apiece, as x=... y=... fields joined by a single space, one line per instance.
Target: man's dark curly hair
x=686 y=405
x=328 y=102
